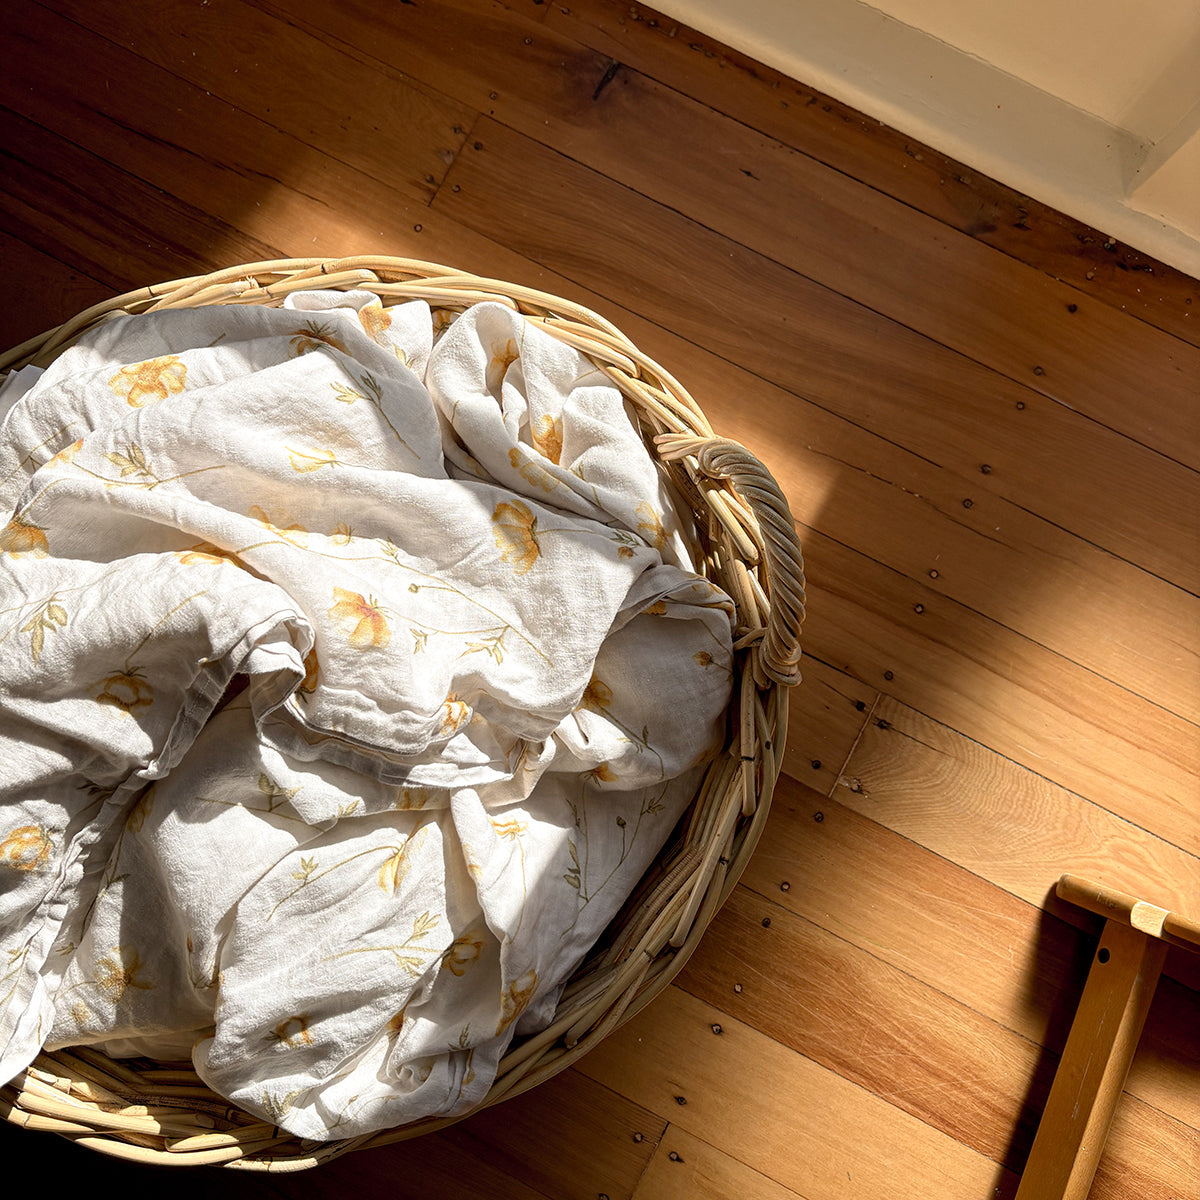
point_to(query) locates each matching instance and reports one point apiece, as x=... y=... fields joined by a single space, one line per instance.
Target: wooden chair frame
x=1103 y=1039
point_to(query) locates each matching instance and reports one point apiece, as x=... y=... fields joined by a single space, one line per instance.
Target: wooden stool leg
x=1094 y=1065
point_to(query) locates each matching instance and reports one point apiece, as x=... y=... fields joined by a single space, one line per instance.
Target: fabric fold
x=353 y=669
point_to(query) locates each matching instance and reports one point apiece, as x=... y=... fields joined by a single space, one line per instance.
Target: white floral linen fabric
x=353 y=667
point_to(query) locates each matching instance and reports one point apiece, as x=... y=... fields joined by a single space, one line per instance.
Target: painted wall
x=1103 y=56
x=1091 y=106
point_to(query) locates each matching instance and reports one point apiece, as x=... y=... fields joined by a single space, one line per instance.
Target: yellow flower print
x=597 y=696
x=657 y=609
x=342 y=534
x=120 y=973
x=292 y=1031
x=604 y=773
x=362 y=620
x=395 y=868
x=515 y=998
x=374 y=319
x=346 y=394
x=396 y=1024
x=548 y=437
x=650 y=527
x=474 y=866
x=515 y=529
x=277 y=1105
x=294 y=534
x=456 y=714
x=463 y=951
x=531 y=471
x=150 y=381
x=25 y=849
x=312 y=670
x=624 y=552
x=204 y=552
x=313 y=335
x=703 y=658
x=66 y=454
x=502 y=358
x=49 y=617
x=20 y=537
x=412 y=799
x=314 y=461
x=126 y=690
x=141 y=810
x=510 y=830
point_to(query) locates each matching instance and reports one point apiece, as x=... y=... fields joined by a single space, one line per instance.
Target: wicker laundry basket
x=162 y=1113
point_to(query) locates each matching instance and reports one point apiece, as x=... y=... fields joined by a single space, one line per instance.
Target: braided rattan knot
x=778 y=649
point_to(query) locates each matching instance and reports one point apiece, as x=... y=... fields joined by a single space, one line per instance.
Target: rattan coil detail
x=149 y=1112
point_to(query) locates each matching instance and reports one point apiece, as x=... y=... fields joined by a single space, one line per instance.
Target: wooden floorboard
x=987 y=420
x=1003 y=957
x=60 y=289
x=688 y=1168
x=883 y=159
x=829 y=349
x=761 y=194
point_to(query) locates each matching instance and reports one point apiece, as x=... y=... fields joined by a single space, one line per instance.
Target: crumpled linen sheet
x=352 y=670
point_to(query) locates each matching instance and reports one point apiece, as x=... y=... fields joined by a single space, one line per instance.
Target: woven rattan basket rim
x=154 y=1113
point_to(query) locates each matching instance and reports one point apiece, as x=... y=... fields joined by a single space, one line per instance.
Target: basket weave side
x=148 y=1112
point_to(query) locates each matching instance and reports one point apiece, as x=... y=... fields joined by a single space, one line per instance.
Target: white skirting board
x=992 y=121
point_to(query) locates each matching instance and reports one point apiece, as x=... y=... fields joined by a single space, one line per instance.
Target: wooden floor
x=987 y=419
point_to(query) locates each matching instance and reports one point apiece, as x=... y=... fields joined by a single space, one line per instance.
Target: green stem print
x=47 y=615
x=28 y=457
x=118 y=971
x=276 y=797
x=578 y=873
x=372 y=393
x=597 y=698
x=136 y=470
x=501 y=628
x=408 y=954
x=488 y=639
x=127 y=689
x=389 y=876
x=15 y=964
x=514 y=831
